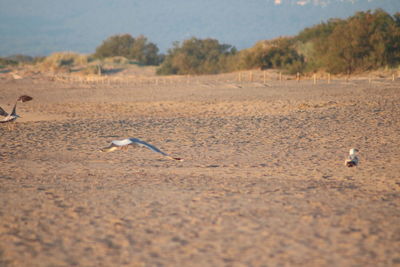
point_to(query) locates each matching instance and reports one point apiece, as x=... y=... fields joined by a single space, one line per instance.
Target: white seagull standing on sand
x=352 y=159
x=123 y=144
x=13 y=115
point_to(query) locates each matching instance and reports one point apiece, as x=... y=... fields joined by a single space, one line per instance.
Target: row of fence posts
x=242 y=77
x=121 y=80
x=298 y=77
x=251 y=77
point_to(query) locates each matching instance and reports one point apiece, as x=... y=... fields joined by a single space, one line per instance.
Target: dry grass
x=116 y=60
x=63 y=61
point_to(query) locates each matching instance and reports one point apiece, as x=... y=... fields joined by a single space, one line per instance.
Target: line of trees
x=365 y=41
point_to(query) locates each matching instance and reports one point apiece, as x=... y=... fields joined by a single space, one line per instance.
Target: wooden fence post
x=265 y=77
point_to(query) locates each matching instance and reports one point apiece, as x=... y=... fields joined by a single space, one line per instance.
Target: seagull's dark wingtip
x=24 y=98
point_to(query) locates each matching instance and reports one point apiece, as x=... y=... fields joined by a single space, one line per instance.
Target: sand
x=263 y=182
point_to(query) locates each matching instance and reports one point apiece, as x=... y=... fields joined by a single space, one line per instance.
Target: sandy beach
x=263 y=182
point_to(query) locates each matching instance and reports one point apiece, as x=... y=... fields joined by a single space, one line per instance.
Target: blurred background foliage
x=365 y=41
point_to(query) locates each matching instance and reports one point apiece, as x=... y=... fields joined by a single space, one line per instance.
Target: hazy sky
x=40 y=27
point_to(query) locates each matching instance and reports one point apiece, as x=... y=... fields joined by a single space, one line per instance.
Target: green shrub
x=197 y=56
x=124 y=45
x=279 y=53
x=21 y=58
x=364 y=41
x=4 y=62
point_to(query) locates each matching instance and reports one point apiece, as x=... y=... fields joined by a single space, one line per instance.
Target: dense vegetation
x=14 y=60
x=365 y=41
x=4 y=62
x=368 y=40
x=197 y=56
x=279 y=53
x=138 y=49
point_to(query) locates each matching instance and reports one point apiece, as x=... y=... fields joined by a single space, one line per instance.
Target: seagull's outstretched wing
x=151 y=147
x=119 y=144
x=3 y=113
x=22 y=98
x=14 y=110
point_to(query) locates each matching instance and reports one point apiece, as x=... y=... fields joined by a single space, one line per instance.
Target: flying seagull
x=13 y=116
x=352 y=159
x=123 y=144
